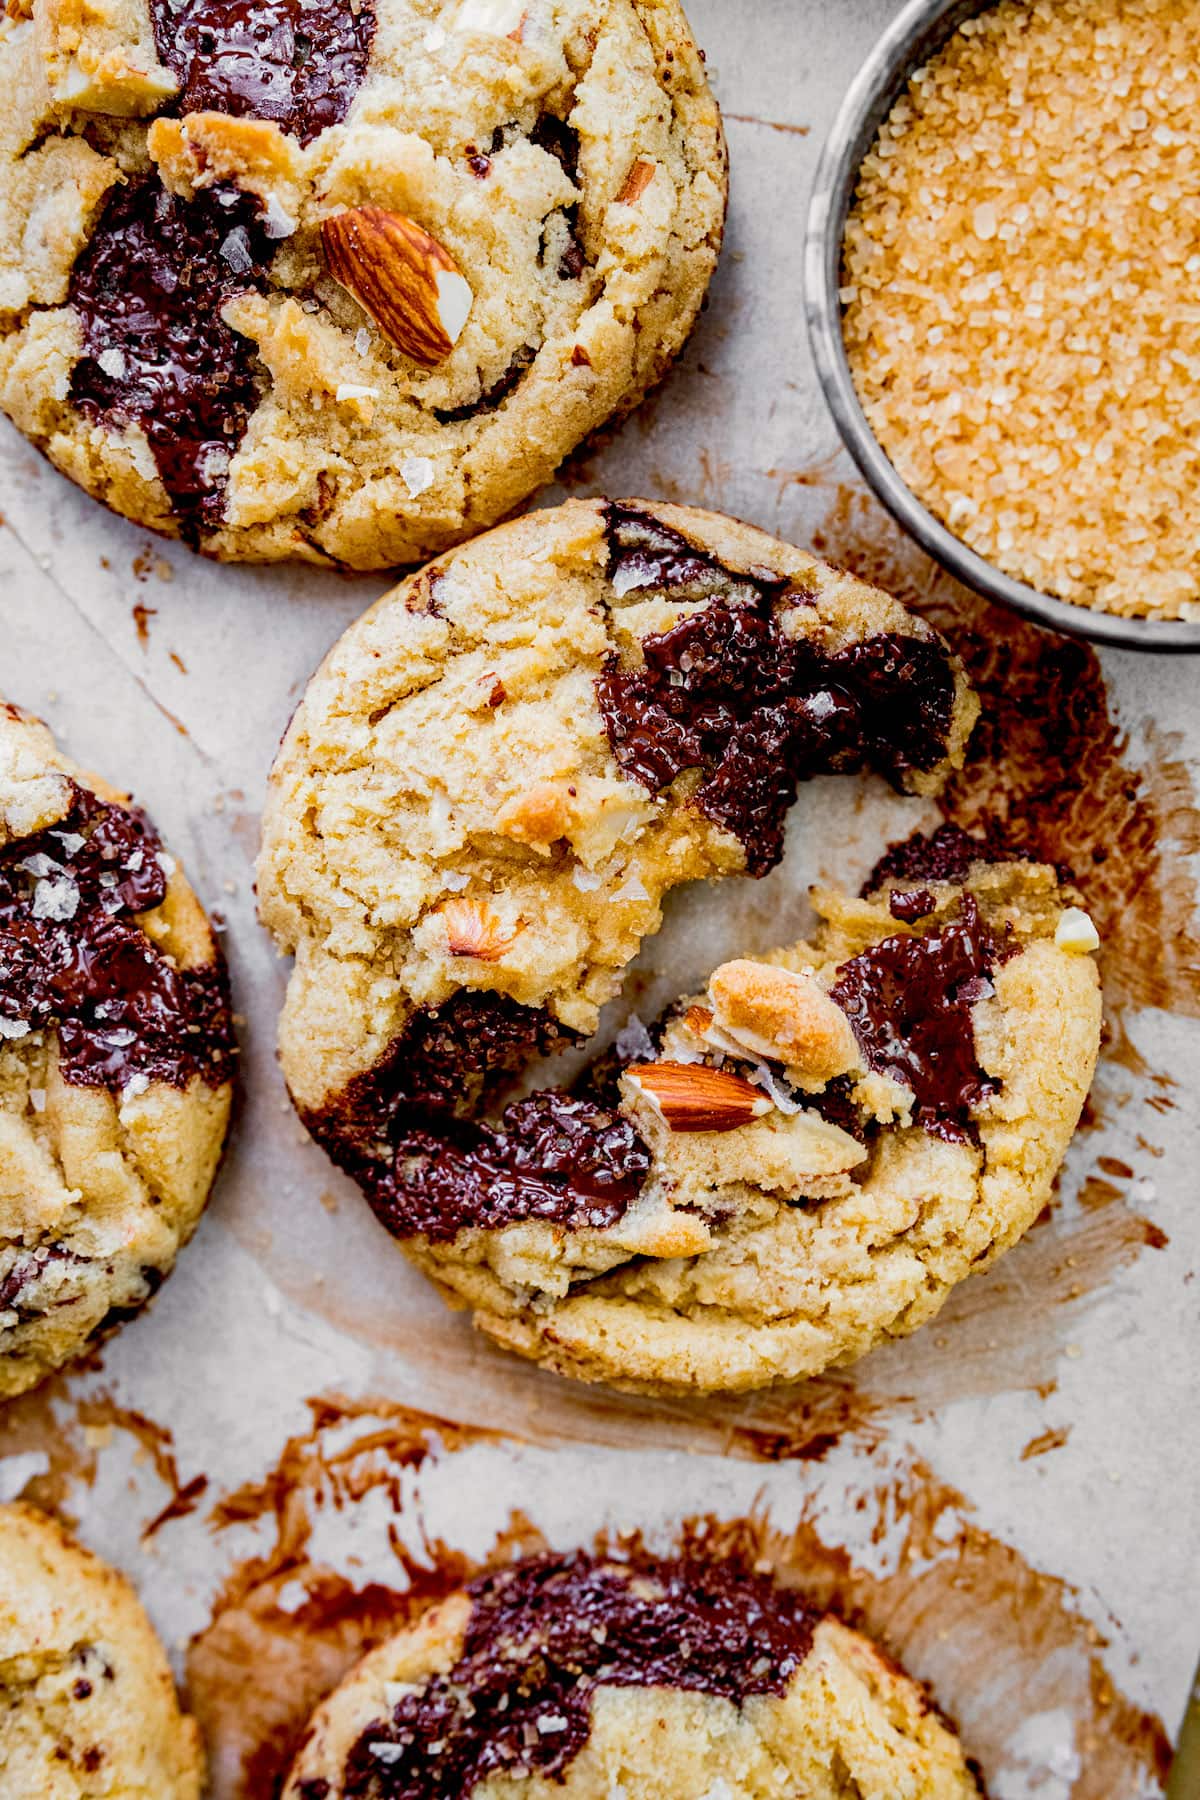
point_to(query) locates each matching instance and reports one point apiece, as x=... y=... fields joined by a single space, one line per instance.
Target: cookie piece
x=87 y=1703
x=590 y=1678
x=344 y=280
x=486 y=793
x=116 y=1056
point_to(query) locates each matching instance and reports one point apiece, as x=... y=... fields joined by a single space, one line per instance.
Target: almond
x=472 y=929
x=637 y=181
x=698 y=1020
x=786 y=1017
x=400 y=275
x=693 y=1097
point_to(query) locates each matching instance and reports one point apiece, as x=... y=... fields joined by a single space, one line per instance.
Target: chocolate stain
x=285 y=1627
x=996 y=1639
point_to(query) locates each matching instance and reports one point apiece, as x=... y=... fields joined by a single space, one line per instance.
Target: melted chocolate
x=943 y=855
x=72 y=957
x=148 y=291
x=552 y=1157
x=405 y=1130
x=726 y=693
x=543 y=1636
x=909 y=1002
x=297 y=62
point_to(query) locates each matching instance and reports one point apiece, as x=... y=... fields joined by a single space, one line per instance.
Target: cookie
x=87 y=1703
x=116 y=1056
x=482 y=801
x=344 y=280
x=597 y=1679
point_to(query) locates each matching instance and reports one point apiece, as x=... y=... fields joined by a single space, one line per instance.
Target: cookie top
x=485 y=795
x=590 y=1678
x=87 y=1703
x=116 y=1056
x=344 y=279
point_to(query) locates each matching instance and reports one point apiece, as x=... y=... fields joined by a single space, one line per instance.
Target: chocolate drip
x=909 y=1002
x=297 y=62
x=540 y=1640
x=148 y=291
x=73 y=958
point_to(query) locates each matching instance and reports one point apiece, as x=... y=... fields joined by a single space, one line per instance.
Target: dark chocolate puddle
x=542 y=1637
x=725 y=692
x=148 y=291
x=73 y=958
x=298 y=63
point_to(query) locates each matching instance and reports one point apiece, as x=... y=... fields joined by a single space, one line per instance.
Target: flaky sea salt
x=417 y=474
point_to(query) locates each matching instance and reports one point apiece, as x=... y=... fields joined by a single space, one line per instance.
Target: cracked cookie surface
x=344 y=282
x=87 y=1703
x=116 y=1057
x=577 y=1676
x=488 y=790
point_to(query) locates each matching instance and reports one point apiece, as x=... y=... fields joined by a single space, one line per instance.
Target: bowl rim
x=920 y=28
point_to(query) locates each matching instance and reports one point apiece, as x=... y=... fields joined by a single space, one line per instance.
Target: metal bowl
x=920 y=29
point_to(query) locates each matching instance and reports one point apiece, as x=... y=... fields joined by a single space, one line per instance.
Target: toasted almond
x=640 y=175
x=403 y=277
x=539 y=816
x=18 y=9
x=784 y=1016
x=698 y=1019
x=693 y=1097
x=472 y=929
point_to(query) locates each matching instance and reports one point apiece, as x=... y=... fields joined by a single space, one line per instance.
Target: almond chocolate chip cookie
x=488 y=790
x=87 y=1703
x=116 y=1057
x=344 y=280
x=597 y=1679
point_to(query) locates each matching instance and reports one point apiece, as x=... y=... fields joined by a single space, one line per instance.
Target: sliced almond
x=401 y=276
x=699 y=1020
x=640 y=176
x=693 y=1097
x=472 y=929
x=787 y=1017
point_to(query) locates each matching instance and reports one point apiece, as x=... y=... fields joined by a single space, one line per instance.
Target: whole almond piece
x=693 y=1097
x=400 y=275
x=472 y=929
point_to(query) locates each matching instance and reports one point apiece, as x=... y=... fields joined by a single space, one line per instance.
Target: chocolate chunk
x=725 y=692
x=552 y=1157
x=73 y=958
x=543 y=1636
x=911 y=905
x=943 y=855
x=297 y=62
x=148 y=291
x=492 y=397
x=405 y=1130
x=909 y=1002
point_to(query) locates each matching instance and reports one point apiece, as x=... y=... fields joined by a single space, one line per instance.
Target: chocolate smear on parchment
x=996 y=1639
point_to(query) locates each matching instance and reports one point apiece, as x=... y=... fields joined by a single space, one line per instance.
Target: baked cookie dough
x=116 y=1056
x=487 y=791
x=649 y=1680
x=344 y=280
x=87 y=1703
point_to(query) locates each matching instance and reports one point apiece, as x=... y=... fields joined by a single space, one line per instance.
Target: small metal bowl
x=920 y=30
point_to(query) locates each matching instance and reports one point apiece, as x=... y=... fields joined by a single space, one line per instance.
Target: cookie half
x=590 y=1679
x=486 y=793
x=344 y=280
x=116 y=1056
x=87 y=1703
